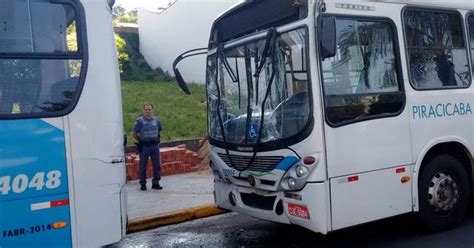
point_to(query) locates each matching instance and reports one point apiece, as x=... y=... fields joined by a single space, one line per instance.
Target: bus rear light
x=309 y=160
x=58 y=225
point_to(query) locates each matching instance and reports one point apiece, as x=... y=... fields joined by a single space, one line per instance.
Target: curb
x=175 y=217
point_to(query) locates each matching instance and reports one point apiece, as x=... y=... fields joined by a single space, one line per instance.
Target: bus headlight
x=291 y=182
x=295 y=178
x=301 y=171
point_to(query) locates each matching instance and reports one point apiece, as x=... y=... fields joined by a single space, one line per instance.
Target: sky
x=147 y=4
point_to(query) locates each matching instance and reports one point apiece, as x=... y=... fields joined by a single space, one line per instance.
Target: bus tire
x=443 y=193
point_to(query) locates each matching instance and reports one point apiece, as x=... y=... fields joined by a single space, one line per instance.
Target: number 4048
x=20 y=183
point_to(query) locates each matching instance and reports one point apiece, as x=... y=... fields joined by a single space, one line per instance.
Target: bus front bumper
x=307 y=208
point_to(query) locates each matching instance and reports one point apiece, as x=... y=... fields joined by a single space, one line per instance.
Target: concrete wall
x=183 y=26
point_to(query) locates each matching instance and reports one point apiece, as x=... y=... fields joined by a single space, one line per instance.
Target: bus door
x=366 y=125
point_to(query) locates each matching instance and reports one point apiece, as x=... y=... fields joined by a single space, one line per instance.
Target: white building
x=172 y=30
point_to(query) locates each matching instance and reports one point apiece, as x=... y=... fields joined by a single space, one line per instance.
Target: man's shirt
x=148 y=129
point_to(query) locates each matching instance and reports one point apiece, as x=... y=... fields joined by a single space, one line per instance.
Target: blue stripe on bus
x=286 y=163
x=33 y=172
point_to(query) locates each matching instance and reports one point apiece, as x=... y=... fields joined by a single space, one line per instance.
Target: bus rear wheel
x=443 y=192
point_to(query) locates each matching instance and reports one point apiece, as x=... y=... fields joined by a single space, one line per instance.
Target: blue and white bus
x=332 y=113
x=62 y=171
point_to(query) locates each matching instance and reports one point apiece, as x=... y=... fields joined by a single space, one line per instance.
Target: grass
x=183 y=116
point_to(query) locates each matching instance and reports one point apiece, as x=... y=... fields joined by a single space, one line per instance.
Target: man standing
x=147 y=132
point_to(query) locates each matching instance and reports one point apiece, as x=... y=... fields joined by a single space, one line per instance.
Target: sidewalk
x=183 y=197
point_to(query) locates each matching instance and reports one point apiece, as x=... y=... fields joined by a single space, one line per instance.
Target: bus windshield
x=259 y=89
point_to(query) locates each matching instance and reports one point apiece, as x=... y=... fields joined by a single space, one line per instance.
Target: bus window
x=436 y=49
x=36 y=26
x=470 y=23
x=362 y=80
x=41 y=60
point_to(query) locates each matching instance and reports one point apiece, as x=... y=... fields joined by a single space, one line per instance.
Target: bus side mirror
x=328 y=37
x=181 y=82
x=177 y=74
x=111 y=4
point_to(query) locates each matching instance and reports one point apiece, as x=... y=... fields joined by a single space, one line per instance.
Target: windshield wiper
x=269 y=51
x=233 y=76
x=263 y=59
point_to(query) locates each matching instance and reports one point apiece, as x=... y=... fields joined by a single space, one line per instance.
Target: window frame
x=397 y=52
x=470 y=49
x=81 y=54
x=407 y=53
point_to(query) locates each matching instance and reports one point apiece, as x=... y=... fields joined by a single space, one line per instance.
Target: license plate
x=298 y=211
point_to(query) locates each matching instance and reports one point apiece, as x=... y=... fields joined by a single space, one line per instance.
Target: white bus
x=62 y=171
x=331 y=113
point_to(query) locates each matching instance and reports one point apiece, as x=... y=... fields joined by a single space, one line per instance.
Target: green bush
x=122 y=55
x=135 y=68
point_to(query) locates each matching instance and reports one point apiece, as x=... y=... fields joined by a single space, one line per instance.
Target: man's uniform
x=149 y=132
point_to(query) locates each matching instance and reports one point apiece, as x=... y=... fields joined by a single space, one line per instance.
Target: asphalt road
x=235 y=230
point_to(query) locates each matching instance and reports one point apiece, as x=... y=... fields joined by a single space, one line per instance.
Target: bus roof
x=456 y=4
x=229 y=19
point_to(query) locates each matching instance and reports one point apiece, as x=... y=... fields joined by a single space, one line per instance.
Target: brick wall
x=174 y=160
x=191 y=144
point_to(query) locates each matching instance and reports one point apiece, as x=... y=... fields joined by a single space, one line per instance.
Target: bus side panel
x=26 y=223
x=95 y=129
x=438 y=117
x=34 y=201
x=361 y=198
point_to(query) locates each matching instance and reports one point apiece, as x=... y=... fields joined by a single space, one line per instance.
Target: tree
x=121 y=53
x=118 y=10
x=373 y=43
x=133 y=13
x=121 y=15
x=432 y=42
x=127 y=18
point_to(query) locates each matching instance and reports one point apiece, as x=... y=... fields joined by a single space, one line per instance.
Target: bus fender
x=421 y=155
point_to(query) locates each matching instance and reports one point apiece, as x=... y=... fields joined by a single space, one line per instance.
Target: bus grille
x=260 y=164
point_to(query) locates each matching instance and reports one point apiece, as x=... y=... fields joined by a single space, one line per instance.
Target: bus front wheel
x=443 y=191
